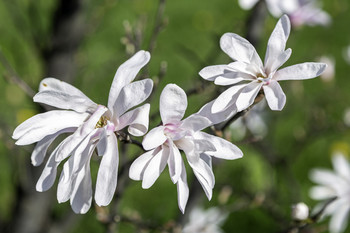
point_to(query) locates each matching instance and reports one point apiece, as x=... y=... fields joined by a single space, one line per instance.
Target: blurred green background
x=258 y=190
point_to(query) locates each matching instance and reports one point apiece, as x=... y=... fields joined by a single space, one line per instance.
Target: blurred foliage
x=272 y=175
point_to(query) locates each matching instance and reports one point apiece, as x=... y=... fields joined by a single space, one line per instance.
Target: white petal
x=131 y=95
x=174 y=162
x=219 y=117
x=323 y=177
x=82 y=132
x=138 y=167
x=196 y=122
x=301 y=71
x=203 y=145
x=137 y=120
x=102 y=143
x=41 y=147
x=339 y=219
x=155 y=168
x=277 y=41
x=239 y=49
x=125 y=74
x=275 y=97
x=210 y=73
x=172 y=104
x=227 y=98
x=321 y=193
x=154 y=138
x=341 y=165
x=82 y=192
x=182 y=189
x=107 y=176
x=62 y=95
x=247 y=4
x=279 y=61
x=224 y=148
x=37 y=127
x=247 y=95
x=48 y=176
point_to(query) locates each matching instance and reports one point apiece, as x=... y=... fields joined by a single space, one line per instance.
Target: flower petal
x=62 y=95
x=174 y=162
x=339 y=219
x=41 y=147
x=224 y=148
x=239 y=49
x=154 y=138
x=107 y=176
x=227 y=98
x=247 y=95
x=172 y=104
x=137 y=119
x=131 y=95
x=275 y=97
x=247 y=4
x=321 y=193
x=218 y=117
x=301 y=71
x=182 y=189
x=277 y=41
x=155 y=168
x=196 y=122
x=125 y=74
x=341 y=165
x=279 y=61
x=138 y=167
x=210 y=73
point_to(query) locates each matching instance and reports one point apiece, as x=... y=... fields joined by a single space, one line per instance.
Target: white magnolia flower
x=300 y=211
x=301 y=12
x=334 y=184
x=91 y=126
x=205 y=221
x=248 y=75
x=164 y=142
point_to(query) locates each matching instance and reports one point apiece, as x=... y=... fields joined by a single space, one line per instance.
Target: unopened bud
x=300 y=211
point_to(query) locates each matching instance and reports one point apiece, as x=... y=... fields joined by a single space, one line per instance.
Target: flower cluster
x=91 y=126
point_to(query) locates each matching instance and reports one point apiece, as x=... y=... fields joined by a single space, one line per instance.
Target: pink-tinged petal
x=341 y=165
x=301 y=71
x=339 y=219
x=247 y=95
x=82 y=132
x=277 y=41
x=48 y=176
x=154 y=168
x=227 y=98
x=81 y=196
x=154 y=138
x=138 y=167
x=62 y=95
x=182 y=189
x=131 y=95
x=125 y=74
x=196 y=122
x=279 y=61
x=219 y=117
x=275 y=97
x=172 y=104
x=137 y=120
x=39 y=126
x=239 y=49
x=41 y=147
x=174 y=162
x=107 y=176
x=224 y=148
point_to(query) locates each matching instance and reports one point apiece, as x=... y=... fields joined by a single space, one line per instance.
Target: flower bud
x=300 y=211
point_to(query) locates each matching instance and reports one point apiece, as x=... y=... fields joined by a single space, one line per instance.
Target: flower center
x=174 y=132
x=102 y=122
x=262 y=78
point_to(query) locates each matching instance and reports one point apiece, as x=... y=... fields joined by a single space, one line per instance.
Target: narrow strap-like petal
x=279 y=61
x=275 y=97
x=62 y=95
x=227 y=98
x=172 y=104
x=131 y=95
x=277 y=42
x=39 y=126
x=341 y=165
x=301 y=71
x=196 y=122
x=218 y=117
x=138 y=167
x=247 y=95
x=247 y=4
x=154 y=138
x=182 y=189
x=174 y=162
x=137 y=120
x=125 y=74
x=107 y=176
x=340 y=218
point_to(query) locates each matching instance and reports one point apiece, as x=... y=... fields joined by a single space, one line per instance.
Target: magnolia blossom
x=334 y=184
x=301 y=12
x=90 y=126
x=164 y=142
x=248 y=75
x=205 y=221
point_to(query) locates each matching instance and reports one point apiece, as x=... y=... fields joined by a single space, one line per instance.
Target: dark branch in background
x=125 y=138
x=159 y=25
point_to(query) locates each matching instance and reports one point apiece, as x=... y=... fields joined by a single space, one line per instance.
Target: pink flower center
x=173 y=131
